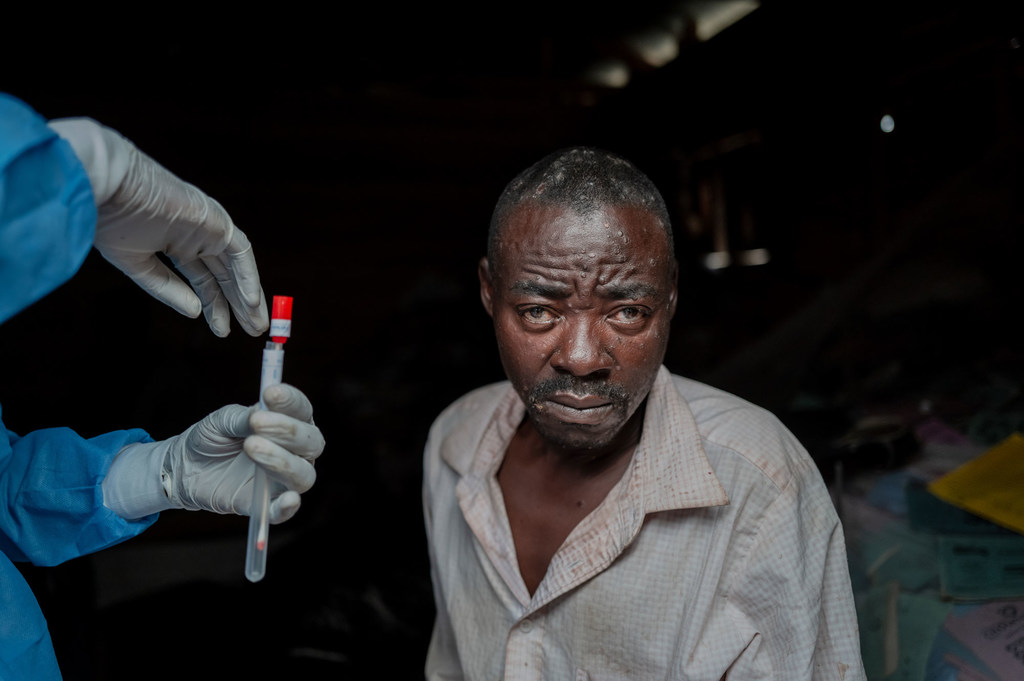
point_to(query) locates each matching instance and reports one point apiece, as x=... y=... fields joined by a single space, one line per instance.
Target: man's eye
x=629 y=315
x=537 y=315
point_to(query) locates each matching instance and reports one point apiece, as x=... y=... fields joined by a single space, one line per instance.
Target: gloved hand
x=211 y=465
x=143 y=210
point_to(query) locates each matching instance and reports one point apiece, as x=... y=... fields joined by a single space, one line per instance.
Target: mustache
x=550 y=387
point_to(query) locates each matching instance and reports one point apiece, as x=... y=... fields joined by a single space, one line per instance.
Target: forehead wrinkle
x=562 y=290
x=628 y=291
x=541 y=288
x=611 y=280
x=606 y=255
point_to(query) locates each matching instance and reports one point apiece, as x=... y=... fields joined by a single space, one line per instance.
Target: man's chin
x=584 y=438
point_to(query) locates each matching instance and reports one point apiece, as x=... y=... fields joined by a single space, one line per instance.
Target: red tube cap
x=281 y=319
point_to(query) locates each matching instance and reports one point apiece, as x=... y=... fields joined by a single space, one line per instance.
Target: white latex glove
x=211 y=465
x=143 y=210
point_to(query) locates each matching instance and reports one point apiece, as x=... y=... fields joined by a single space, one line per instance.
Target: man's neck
x=548 y=490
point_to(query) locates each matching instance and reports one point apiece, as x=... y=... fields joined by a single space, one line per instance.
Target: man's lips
x=579 y=401
x=587 y=410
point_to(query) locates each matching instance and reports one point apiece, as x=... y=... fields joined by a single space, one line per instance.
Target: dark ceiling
x=362 y=150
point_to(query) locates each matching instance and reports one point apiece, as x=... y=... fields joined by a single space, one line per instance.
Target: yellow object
x=990 y=486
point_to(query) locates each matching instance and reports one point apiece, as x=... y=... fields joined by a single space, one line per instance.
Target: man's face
x=581 y=307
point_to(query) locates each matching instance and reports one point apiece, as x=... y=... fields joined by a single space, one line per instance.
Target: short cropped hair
x=582 y=179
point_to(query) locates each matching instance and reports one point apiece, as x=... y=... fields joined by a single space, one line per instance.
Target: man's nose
x=581 y=350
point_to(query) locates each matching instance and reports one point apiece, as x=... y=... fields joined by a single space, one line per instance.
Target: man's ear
x=486 y=286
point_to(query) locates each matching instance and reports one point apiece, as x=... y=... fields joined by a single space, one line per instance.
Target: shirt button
x=526 y=626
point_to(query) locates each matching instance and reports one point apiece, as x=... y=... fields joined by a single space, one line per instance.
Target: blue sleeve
x=47 y=210
x=51 y=495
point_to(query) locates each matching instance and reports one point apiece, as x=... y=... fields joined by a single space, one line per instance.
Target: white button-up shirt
x=718 y=554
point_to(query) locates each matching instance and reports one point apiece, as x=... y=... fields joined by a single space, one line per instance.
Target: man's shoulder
x=734 y=426
x=458 y=428
x=711 y=405
x=478 y=400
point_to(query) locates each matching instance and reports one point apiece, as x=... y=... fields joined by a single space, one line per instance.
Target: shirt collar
x=669 y=471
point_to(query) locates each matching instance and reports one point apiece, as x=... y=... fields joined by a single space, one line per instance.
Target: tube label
x=280 y=328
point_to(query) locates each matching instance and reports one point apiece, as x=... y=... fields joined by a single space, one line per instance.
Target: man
x=596 y=517
x=66 y=186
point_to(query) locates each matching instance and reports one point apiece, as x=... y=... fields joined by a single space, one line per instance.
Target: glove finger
x=294 y=472
x=298 y=437
x=287 y=399
x=254 y=320
x=205 y=285
x=239 y=259
x=284 y=507
x=156 y=279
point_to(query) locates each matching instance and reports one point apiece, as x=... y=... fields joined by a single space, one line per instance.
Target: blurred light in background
x=655 y=46
x=608 y=73
x=714 y=16
x=717 y=260
x=753 y=257
x=659 y=43
x=887 y=124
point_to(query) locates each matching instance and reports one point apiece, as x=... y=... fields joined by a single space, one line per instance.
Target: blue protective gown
x=51 y=500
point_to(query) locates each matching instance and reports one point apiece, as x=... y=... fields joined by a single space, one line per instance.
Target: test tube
x=259 y=512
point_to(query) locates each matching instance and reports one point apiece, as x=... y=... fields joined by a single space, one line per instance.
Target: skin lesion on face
x=581 y=307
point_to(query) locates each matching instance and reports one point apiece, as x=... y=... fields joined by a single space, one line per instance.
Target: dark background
x=362 y=150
